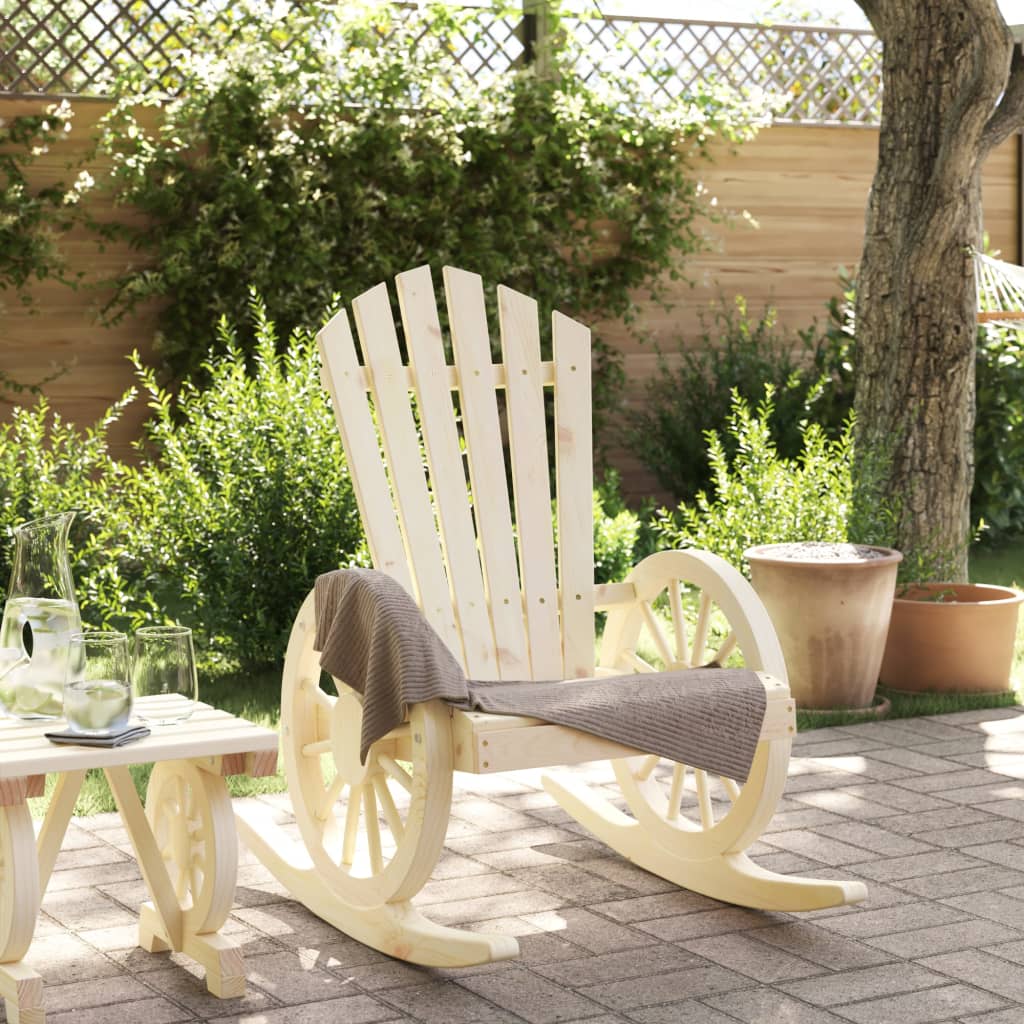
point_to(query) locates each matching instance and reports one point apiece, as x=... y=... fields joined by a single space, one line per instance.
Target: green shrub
x=998 y=496
x=761 y=497
x=616 y=531
x=46 y=466
x=240 y=498
x=810 y=374
x=283 y=167
x=246 y=497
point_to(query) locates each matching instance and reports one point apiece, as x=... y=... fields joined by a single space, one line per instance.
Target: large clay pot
x=952 y=638
x=830 y=604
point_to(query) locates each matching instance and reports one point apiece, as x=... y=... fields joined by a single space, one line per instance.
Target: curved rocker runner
x=510 y=604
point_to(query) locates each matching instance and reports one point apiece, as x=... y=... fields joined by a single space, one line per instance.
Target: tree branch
x=1009 y=114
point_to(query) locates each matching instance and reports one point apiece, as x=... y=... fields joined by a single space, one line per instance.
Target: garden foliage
x=323 y=151
x=810 y=374
x=762 y=497
x=238 y=498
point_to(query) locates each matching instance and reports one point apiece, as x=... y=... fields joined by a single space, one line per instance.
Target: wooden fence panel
x=806 y=188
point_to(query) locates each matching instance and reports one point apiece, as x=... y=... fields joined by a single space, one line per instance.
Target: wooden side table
x=184 y=839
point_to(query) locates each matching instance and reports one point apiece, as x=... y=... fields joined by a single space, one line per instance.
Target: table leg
x=20 y=987
x=187 y=849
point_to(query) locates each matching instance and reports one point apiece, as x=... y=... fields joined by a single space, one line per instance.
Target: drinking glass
x=164 y=667
x=97 y=687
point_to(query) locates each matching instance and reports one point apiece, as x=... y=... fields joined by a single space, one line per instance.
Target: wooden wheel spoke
x=372 y=826
x=348 y=845
x=317 y=748
x=657 y=633
x=726 y=648
x=387 y=803
x=634 y=661
x=707 y=812
x=396 y=771
x=675 y=794
x=731 y=787
x=325 y=700
x=649 y=762
x=700 y=631
x=330 y=797
x=675 y=603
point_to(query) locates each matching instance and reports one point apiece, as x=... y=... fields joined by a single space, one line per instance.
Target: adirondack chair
x=511 y=604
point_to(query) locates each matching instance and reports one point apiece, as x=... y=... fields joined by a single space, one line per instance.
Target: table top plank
x=208 y=733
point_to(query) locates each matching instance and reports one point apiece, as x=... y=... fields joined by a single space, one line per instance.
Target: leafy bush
x=240 y=498
x=303 y=174
x=248 y=497
x=761 y=497
x=998 y=496
x=47 y=465
x=616 y=531
x=810 y=374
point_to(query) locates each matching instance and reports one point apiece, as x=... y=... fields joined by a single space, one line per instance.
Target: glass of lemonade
x=98 y=689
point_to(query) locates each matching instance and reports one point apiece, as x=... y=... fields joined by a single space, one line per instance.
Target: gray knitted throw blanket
x=374 y=638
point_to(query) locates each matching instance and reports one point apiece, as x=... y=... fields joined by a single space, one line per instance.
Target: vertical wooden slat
x=574 y=477
x=528 y=442
x=341 y=376
x=379 y=343
x=471 y=341
x=447 y=474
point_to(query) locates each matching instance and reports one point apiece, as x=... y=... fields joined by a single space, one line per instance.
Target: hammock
x=1000 y=288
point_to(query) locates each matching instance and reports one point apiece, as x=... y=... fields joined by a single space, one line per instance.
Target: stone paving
x=929 y=812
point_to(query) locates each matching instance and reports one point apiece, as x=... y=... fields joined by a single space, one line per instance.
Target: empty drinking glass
x=164 y=669
x=97 y=688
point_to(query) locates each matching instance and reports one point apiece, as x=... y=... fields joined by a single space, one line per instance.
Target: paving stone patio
x=929 y=812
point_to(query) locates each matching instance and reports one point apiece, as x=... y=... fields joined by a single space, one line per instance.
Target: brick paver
x=928 y=812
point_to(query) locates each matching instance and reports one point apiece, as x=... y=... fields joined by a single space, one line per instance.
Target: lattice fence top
x=814 y=74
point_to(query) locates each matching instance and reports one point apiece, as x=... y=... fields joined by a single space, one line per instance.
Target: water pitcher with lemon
x=39 y=617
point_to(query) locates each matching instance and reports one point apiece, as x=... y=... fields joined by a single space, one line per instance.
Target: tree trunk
x=945 y=65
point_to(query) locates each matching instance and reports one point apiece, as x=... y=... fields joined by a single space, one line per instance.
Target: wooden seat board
x=400 y=437
x=201 y=736
x=528 y=447
x=343 y=380
x=447 y=471
x=574 y=484
x=467 y=316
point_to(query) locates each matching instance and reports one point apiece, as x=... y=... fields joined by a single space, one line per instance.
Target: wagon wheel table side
x=184 y=838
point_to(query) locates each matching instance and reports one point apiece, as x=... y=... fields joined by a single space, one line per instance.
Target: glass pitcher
x=40 y=615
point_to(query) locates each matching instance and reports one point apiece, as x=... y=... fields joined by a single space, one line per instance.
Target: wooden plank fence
x=806 y=187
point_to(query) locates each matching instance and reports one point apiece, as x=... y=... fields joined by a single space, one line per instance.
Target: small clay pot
x=830 y=605
x=951 y=638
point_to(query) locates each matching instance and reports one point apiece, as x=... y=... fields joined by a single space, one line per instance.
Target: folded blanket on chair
x=373 y=637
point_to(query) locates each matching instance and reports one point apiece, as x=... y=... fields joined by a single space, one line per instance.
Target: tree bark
x=946 y=64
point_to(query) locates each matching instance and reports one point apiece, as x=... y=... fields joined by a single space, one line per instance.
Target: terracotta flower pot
x=830 y=605
x=952 y=638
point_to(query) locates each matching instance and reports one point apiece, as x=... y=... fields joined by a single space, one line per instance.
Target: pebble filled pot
x=951 y=638
x=830 y=605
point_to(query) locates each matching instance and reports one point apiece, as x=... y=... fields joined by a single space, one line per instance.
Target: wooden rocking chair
x=485 y=573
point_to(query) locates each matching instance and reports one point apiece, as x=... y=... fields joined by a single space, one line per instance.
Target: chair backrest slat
x=343 y=380
x=379 y=342
x=467 y=316
x=447 y=471
x=528 y=446
x=478 y=557
x=574 y=484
